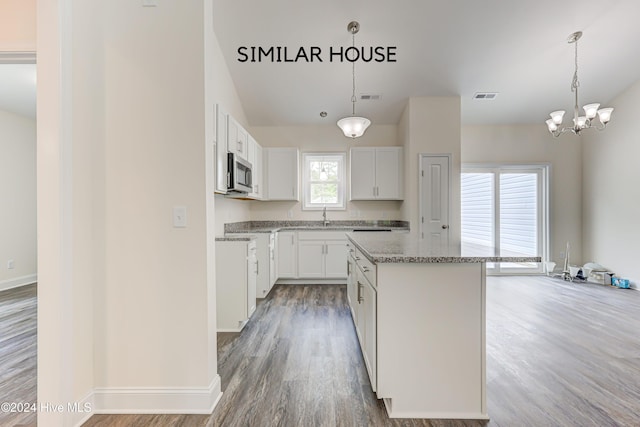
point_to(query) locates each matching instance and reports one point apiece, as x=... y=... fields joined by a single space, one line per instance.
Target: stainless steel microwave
x=238 y=174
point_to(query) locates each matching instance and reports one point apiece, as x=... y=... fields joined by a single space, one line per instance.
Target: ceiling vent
x=369 y=97
x=489 y=96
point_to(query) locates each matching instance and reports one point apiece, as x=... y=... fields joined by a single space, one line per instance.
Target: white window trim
x=342 y=185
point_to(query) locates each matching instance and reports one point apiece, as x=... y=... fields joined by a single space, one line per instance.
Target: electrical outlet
x=290 y=213
x=562 y=255
x=179 y=216
x=10 y=264
x=383 y=215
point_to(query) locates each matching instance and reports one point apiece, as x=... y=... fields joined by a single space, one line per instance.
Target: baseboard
x=83 y=410
x=388 y=404
x=151 y=400
x=18 y=281
x=312 y=281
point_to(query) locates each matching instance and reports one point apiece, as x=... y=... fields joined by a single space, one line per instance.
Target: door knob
x=444 y=227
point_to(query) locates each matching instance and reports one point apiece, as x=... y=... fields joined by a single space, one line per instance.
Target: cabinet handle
x=257 y=267
x=360 y=298
x=348 y=268
x=365 y=268
x=357 y=258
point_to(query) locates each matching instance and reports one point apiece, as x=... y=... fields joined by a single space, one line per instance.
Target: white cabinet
x=255 y=158
x=362 y=297
x=287 y=255
x=264 y=264
x=273 y=263
x=322 y=255
x=236 y=268
x=237 y=138
x=221 y=150
x=282 y=173
x=376 y=173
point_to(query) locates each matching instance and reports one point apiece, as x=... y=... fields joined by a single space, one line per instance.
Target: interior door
x=434 y=200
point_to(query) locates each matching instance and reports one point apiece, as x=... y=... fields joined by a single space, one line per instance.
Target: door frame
x=421 y=157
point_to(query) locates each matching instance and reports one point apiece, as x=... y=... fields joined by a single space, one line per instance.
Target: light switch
x=179 y=216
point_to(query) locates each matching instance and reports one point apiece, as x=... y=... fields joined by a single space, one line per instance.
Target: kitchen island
x=420 y=318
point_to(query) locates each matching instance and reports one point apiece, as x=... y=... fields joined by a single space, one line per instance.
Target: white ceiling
x=444 y=48
x=18 y=89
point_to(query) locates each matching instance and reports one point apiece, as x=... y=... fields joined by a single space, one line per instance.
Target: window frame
x=341 y=157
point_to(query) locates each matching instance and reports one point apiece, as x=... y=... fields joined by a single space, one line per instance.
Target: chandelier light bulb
x=557 y=116
x=552 y=126
x=591 y=110
x=605 y=115
x=580 y=122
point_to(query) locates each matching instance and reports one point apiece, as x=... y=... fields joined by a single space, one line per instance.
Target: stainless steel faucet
x=325 y=222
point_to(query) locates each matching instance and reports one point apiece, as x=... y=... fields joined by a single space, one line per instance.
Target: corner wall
x=611 y=201
x=18 y=195
x=523 y=144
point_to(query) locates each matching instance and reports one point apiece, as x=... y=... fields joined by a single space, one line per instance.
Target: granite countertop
x=245 y=237
x=339 y=225
x=382 y=248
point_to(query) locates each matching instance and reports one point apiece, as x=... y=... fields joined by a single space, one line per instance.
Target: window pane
x=519 y=216
x=477 y=202
x=314 y=170
x=324 y=193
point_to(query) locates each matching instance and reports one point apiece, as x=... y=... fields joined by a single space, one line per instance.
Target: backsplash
x=242 y=226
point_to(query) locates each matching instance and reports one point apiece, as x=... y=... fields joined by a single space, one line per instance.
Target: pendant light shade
x=353 y=126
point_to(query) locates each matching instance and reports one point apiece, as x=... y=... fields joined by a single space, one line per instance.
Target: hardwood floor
x=558 y=354
x=18 y=352
x=562 y=354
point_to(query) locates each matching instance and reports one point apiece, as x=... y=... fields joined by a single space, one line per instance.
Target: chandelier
x=590 y=110
x=353 y=126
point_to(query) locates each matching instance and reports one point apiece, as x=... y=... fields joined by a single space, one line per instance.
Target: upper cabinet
x=255 y=158
x=221 y=149
x=237 y=139
x=376 y=173
x=282 y=173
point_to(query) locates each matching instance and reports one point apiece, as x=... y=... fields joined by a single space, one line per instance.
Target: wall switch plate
x=179 y=216
x=10 y=264
x=290 y=213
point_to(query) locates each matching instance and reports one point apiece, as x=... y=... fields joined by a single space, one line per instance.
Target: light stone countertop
x=382 y=248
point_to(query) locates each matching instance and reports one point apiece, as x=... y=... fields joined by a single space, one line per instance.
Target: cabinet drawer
x=321 y=235
x=367 y=267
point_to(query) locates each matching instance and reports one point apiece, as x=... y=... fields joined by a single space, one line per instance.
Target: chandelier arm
x=353 y=76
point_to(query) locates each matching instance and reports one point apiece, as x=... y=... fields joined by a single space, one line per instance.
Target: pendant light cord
x=353 y=75
x=575 y=84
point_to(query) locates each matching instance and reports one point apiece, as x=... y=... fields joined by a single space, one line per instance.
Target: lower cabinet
x=322 y=254
x=236 y=275
x=287 y=255
x=362 y=296
x=273 y=263
x=264 y=267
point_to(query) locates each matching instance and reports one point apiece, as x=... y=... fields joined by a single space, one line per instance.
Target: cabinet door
x=258 y=187
x=361 y=310
x=252 y=276
x=273 y=265
x=232 y=135
x=251 y=158
x=351 y=287
x=287 y=255
x=282 y=173
x=335 y=259
x=362 y=167
x=311 y=259
x=221 y=151
x=389 y=173
x=369 y=349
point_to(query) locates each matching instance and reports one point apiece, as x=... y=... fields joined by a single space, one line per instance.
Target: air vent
x=489 y=96
x=369 y=97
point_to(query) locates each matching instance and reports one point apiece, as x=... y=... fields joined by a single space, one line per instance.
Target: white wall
x=432 y=126
x=17 y=25
x=18 y=195
x=325 y=138
x=522 y=144
x=611 y=201
x=124 y=298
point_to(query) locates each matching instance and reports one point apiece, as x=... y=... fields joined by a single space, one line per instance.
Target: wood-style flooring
x=18 y=341
x=558 y=354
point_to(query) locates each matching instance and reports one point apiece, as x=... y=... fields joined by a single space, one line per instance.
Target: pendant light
x=353 y=126
x=591 y=110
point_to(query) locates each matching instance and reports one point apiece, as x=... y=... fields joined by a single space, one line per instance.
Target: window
x=504 y=211
x=323 y=181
